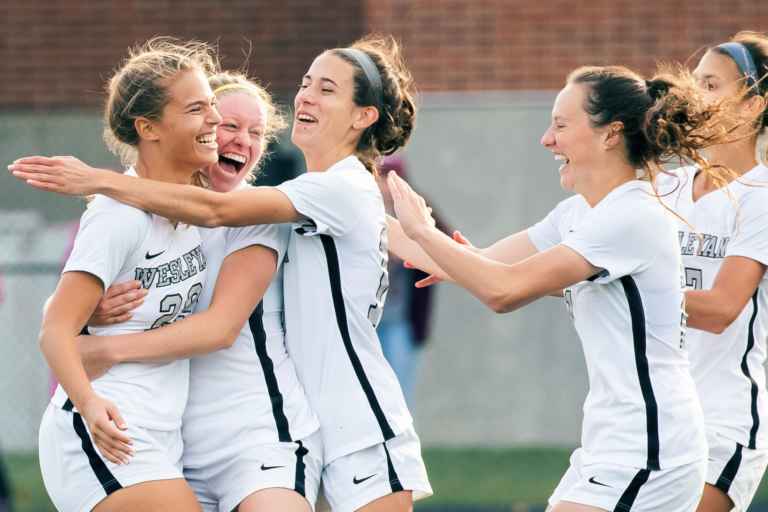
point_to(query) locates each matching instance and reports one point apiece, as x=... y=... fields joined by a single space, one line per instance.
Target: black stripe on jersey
x=68 y=405
x=256 y=324
x=597 y=276
x=637 y=314
x=394 y=480
x=105 y=476
x=630 y=494
x=334 y=274
x=301 y=470
x=726 y=478
x=745 y=370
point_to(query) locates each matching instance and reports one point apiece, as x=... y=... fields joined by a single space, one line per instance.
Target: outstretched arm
x=241 y=284
x=500 y=286
x=715 y=309
x=186 y=203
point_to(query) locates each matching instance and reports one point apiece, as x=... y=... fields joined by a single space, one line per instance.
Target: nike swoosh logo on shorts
x=267 y=468
x=356 y=481
x=593 y=481
x=150 y=256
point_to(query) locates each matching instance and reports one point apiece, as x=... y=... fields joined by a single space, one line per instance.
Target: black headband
x=372 y=75
x=743 y=59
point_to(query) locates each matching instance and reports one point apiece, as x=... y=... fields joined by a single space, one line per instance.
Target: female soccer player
x=612 y=248
x=248 y=430
x=161 y=111
x=724 y=248
x=353 y=104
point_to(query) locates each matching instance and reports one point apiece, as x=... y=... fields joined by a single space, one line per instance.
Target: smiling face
x=572 y=138
x=186 y=130
x=325 y=112
x=240 y=138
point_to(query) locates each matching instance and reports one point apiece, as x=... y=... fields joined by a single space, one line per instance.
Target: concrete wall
x=493 y=379
x=486 y=379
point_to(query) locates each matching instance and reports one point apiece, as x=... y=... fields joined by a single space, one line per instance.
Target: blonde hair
x=235 y=82
x=139 y=87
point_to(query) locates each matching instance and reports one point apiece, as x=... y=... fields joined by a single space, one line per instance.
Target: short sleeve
x=267 y=235
x=328 y=199
x=107 y=238
x=546 y=233
x=621 y=241
x=750 y=237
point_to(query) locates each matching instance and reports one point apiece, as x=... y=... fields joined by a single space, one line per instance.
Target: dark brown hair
x=397 y=115
x=663 y=119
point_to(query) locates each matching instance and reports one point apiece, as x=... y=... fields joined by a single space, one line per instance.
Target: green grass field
x=502 y=477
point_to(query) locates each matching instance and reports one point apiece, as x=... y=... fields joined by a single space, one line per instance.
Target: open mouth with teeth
x=562 y=158
x=232 y=162
x=209 y=139
x=303 y=117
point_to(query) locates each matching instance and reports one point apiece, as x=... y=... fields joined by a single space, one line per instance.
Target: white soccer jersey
x=641 y=409
x=117 y=243
x=335 y=285
x=253 y=383
x=728 y=368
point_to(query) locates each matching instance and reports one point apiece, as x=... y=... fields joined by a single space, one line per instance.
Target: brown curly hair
x=664 y=119
x=397 y=117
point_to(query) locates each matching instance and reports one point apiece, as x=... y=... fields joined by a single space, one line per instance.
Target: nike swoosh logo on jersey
x=267 y=468
x=150 y=256
x=356 y=481
x=593 y=481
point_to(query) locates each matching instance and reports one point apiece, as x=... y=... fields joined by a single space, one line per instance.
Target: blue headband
x=743 y=59
x=372 y=75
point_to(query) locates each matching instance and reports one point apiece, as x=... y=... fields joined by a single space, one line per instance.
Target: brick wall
x=57 y=53
x=532 y=44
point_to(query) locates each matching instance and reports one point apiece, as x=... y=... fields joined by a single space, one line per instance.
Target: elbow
x=716 y=323
x=227 y=338
x=500 y=302
x=722 y=321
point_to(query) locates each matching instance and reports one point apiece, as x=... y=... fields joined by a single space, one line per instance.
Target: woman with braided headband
x=353 y=105
x=724 y=246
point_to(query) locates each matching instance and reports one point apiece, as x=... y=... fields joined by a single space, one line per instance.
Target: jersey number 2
x=171 y=304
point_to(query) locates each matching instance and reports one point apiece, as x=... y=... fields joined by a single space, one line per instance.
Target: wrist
x=423 y=233
x=102 y=183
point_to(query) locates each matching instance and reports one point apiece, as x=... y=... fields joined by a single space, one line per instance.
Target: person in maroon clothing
x=405 y=324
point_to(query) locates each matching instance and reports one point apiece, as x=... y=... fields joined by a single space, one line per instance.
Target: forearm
x=62 y=357
x=493 y=283
x=196 y=335
x=710 y=310
x=408 y=250
x=185 y=203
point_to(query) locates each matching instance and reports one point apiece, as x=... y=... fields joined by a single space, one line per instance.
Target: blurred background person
x=405 y=326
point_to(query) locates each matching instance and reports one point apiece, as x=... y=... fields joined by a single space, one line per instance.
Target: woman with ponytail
x=611 y=250
x=724 y=247
x=353 y=105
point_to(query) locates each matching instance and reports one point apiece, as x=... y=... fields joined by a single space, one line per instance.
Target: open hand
x=116 y=305
x=107 y=427
x=411 y=209
x=61 y=174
